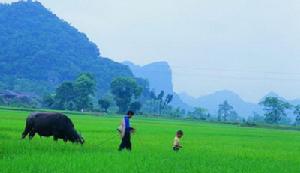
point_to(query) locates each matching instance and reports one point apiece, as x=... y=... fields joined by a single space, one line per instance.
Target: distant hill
x=273 y=94
x=38 y=51
x=243 y=108
x=159 y=76
x=295 y=102
x=178 y=102
x=211 y=102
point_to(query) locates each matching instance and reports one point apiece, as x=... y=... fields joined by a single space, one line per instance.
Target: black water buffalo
x=51 y=124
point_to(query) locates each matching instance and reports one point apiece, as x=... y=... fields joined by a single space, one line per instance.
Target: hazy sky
x=248 y=46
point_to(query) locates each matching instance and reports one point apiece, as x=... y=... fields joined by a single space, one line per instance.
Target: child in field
x=176 y=143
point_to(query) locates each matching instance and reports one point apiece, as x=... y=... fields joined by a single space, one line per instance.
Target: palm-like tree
x=224 y=111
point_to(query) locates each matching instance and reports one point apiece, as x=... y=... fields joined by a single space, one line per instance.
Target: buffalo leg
x=55 y=138
x=55 y=135
x=31 y=134
x=26 y=130
x=25 y=133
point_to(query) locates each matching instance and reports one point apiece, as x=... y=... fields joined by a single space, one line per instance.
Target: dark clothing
x=175 y=148
x=127 y=124
x=126 y=143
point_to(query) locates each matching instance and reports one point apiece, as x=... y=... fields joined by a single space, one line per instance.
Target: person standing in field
x=176 y=143
x=125 y=131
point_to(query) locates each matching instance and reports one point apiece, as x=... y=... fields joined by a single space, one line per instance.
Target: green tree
x=168 y=99
x=163 y=101
x=152 y=95
x=135 y=106
x=274 y=109
x=160 y=98
x=48 y=101
x=224 y=111
x=104 y=104
x=297 y=113
x=84 y=87
x=175 y=113
x=124 y=90
x=199 y=113
x=233 y=116
x=2 y=101
x=258 y=118
x=64 y=96
x=152 y=102
x=72 y=95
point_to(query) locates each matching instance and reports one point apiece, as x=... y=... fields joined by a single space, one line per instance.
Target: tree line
x=274 y=112
x=126 y=93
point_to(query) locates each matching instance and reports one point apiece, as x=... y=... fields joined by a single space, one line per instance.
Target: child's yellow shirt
x=176 y=141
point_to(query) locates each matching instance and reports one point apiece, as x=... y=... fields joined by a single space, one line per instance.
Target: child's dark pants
x=175 y=148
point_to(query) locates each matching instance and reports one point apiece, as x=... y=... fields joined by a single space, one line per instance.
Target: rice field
x=208 y=148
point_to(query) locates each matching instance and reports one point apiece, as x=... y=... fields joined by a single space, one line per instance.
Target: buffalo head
x=75 y=137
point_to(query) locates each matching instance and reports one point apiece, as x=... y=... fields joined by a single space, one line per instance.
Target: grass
x=207 y=148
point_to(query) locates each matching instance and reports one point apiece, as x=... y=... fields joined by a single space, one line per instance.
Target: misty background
x=249 y=47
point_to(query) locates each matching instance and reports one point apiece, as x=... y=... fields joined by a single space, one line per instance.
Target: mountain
x=188 y=99
x=295 y=102
x=243 y=108
x=273 y=94
x=178 y=102
x=211 y=102
x=159 y=75
x=38 y=51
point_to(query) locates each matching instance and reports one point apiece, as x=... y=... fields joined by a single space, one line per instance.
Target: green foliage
x=225 y=110
x=297 y=113
x=163 y=102
x=150 y=107
x=125 y=90
x=168 y=99
x=160 y=98
x=145 y=94
x=172 y=112
x=175 y=113
x=234 y=117
x=39 y=51
x=135 y=106
x=274 y=109
x=84 y=87
x=258 y=118
x=48 y=101
x=24 y=102
x=75 y=95
x=104 y=104
x=161 y=95
x=199 y=113
x=158 y=105
x=65 y=94
x=152 y=95
x=2 y=102
x=166 y=102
